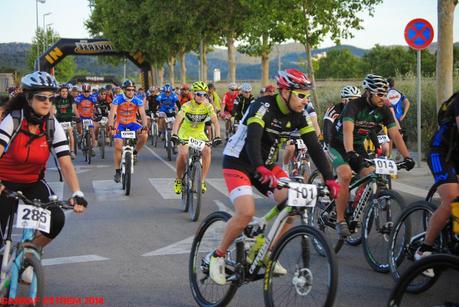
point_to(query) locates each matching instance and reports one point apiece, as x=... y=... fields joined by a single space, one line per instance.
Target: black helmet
x=375 y=84
x=39 y=81
x=128 y=83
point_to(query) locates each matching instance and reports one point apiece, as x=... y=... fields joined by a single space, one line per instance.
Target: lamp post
x=44 y=30
x=36 y=31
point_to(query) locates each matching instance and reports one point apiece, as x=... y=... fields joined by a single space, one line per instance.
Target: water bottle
x=455 y=215
x=259 y=241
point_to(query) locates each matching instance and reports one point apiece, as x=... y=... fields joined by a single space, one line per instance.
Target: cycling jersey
x=215 y=100
x=167 y=104
x=152 y=104
x=184 y=98
x=330 y=119
x=85 y=105
x=194 y=117
x=365 y=117
x=241 y=104
x=27 y=154
x=64 y=110
x=103 y=108
x=127 y=109
x=446 y=137
x=261 y=132
x=396 y=98
x=228 y=100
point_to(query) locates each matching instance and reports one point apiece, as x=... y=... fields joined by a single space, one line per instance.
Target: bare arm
x=214 y=121
x=70 y=177
x=143 y=116
x=406 y=107
x=178 y=122
x=348 y=138
x=111 y=116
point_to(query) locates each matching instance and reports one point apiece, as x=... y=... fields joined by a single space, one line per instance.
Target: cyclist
x=242 y=102
x=214 y=99
x=185 y=94
x=125 y=107
x=65 y=109
x=253 y=150
x=75 y=92
x=86 y=103
x=22 y=171
x=347 y=152
x=270 y=90
x=168 y=106
x=190 y=122
x=103 y=109
x=141 y=95
x=227 y=106
x=443 y=160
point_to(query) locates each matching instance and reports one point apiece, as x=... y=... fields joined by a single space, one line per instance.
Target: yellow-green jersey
x=194 y=118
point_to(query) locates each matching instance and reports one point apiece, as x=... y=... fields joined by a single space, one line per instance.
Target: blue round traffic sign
x=419 y=33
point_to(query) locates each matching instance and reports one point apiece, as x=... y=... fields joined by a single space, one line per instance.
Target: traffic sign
x=419 y=33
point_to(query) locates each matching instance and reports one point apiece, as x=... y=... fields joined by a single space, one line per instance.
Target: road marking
x=164 y=186
x=160 y=158
x=57 y=187
x=405 y=188
x=181 y=247
x=222 y=207
x=220 y=185
x=108 y=190
x=72 y=259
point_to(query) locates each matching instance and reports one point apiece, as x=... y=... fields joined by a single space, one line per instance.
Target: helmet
x=38 y=81
x=167 y=88
x=185 y=86
x=270 y=88
x=86 y=87
x=350 y=91
x=245 y=87
x=127 y=83
x=375 y=84
x=199 y=86
x=210 y=86
x=232 y=86
x=292 y=79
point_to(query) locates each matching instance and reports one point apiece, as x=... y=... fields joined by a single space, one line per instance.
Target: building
x=6 y=81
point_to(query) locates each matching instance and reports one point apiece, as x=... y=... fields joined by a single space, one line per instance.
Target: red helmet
x=86 y=87
x=292 y=79
x=185 y=86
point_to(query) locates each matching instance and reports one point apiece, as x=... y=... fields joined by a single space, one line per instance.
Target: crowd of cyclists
x=256 y=128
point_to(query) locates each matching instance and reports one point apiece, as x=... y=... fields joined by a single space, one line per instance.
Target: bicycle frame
x=128 y=146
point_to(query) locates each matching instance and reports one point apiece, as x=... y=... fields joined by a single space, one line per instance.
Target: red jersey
x=228 y=100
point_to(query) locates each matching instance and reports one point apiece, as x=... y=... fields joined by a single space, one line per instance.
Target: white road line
x=160 y=158
x=73 y=259
x=222 y=207
x=405 y=188
x=181 y=247
x=164 y=186
x=108 y=190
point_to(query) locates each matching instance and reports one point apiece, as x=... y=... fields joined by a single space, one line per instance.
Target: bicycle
x=127 y=159
x=167 y=137
x=300 y=165
x=310 y=276
x=192 y=178
x=31 y=216
x=154 y=131
x=443 y=265
x=409 y=233
x=373 y=205
x=86 y=140
x=102 y=135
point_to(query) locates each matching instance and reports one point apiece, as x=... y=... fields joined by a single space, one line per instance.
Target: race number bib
x=33 y=217
x=302 y=195
x=66 y=125
x=170 y=119
x=87 y=123
x=196 y=144
x=104 y=121
x=385 y=167
x=300 y=144
x=383 y=138
x=128 y=134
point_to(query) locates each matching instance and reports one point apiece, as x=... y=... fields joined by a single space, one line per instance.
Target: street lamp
x=44 y=30
x=36 y=30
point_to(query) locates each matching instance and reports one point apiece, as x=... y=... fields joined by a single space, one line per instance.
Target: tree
x=340 y=64
x=65 y=69
x=445 y=12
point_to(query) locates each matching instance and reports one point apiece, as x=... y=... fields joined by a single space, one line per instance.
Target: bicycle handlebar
x=54 y=202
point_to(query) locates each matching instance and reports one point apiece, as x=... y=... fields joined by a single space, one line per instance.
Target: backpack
x=18 y=116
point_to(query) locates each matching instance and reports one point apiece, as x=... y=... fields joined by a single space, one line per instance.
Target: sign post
x=418 y=35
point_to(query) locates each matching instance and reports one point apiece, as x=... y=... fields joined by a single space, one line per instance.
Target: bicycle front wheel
x=154 y=134
x=195 y=191
x=89 y=147
x=29 y=294
x=380 y=214
x=102 y=142
x=127 y=174
x=208 y=236
x=311 y=278
x=168 y=145
x=443 y=293
x=323 y=217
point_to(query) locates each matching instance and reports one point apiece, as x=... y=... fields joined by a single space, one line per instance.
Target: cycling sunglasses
x=201 y=94
x=130 y=90
x=43 y=98
x=382 y=95
x=301 y=96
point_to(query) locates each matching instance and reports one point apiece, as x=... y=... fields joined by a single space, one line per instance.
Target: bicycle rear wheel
x=28 y=294
x=127 y=172
x=443 y=293
x=154 y=134
x=311 y=278
x=195 y=191
x=208 y=236
x=380 y=214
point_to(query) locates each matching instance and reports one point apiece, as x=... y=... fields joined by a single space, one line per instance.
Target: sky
x=18 y=21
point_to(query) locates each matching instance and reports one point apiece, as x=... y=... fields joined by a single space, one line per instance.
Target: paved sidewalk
x=416 y=182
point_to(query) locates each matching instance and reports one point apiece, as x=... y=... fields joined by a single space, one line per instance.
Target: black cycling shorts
x=442 y=170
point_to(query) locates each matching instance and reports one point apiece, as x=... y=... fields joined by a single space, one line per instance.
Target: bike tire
x=102 y=143
x=411 y=239
x=437 y=262
x=168 y=145
x=127 y=172
x=329 y=232
x=75 y=140
x=89 y=147
x=195 y=191
x=378 y=219
x=316 y=178
x=198 y=275
x=307 y=273
x=34 y=291
x=154 y=135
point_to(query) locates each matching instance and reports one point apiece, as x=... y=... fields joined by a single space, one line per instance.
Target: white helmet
x=232 y=86
x=39 y=81
x=350 y=91
x=246 y=87
x=376 y=84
